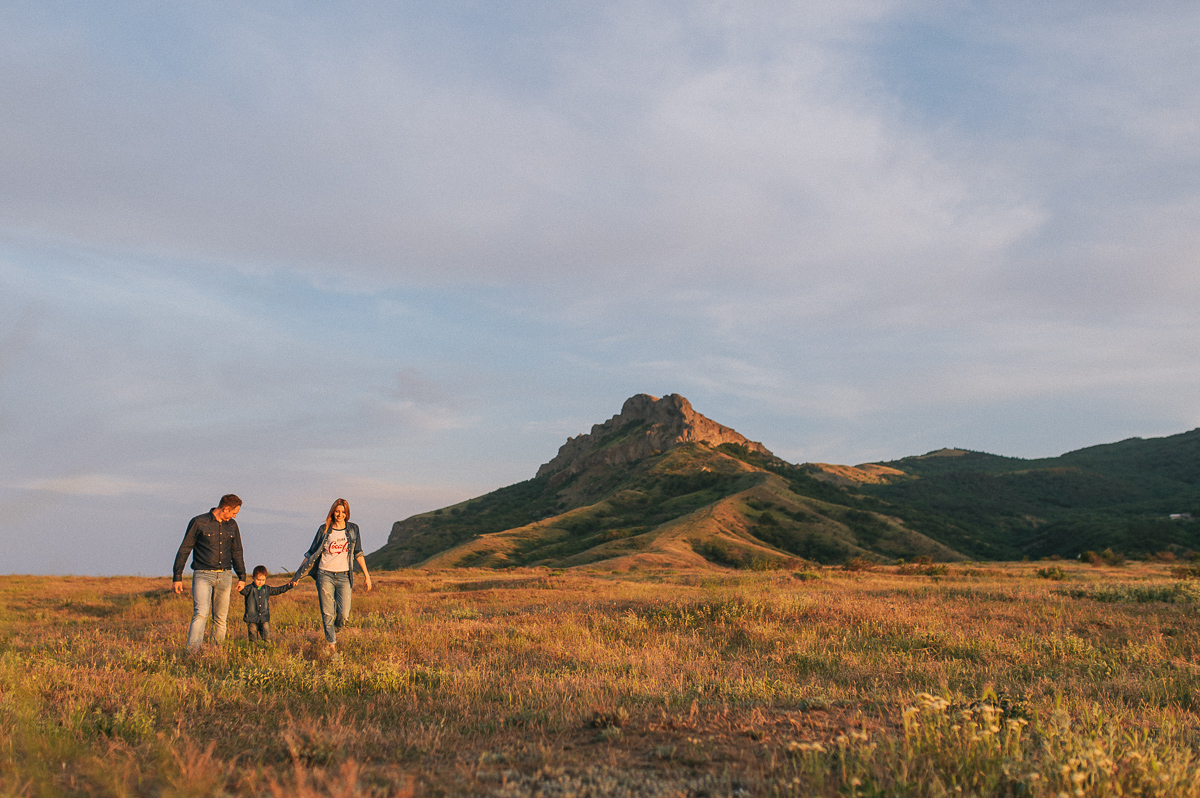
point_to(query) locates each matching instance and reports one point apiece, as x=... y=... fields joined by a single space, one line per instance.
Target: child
x=258 y=604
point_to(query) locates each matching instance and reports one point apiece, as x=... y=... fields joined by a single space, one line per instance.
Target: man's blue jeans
x=210 y=596
x=333 y=591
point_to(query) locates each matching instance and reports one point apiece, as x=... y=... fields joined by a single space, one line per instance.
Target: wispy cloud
x=92 y=485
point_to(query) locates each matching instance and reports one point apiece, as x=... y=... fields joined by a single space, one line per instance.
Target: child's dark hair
x=259 y=569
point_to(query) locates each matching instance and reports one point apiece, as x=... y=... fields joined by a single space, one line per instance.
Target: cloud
x=715 y=144
x=92 y=485
x=414 y=494
x=1089 y=111
x=412 y=415
x=649 y=144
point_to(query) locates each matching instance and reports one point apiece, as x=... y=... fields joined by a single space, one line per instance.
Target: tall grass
x=977 y=681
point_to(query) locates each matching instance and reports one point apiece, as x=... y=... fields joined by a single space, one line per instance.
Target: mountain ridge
x=656 y=484
x=661 y=485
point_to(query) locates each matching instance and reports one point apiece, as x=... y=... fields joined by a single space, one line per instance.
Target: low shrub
x=1191 y=571
x=1172 y=593
x=1106 y=557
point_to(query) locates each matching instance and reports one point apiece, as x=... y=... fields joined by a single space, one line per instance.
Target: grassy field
x=1022 y=679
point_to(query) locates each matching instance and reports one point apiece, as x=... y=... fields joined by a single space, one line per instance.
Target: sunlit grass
x=984 y=680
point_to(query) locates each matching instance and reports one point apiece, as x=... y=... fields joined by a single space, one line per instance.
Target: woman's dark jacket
x=258 y=601
x=312 y=557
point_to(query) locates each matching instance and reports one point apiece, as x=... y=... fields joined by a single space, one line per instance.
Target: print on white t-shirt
x=336 y=554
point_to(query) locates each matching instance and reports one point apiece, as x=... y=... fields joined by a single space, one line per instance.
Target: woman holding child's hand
x=331 y=559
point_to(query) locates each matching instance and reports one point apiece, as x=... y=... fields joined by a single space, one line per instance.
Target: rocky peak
x=645 y=426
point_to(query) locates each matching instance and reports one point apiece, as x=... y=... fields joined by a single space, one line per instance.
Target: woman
x=331 y=559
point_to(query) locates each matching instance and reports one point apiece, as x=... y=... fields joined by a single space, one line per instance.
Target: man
x=215 y=543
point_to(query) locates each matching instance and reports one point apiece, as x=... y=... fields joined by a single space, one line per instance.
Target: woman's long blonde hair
x=329 y=518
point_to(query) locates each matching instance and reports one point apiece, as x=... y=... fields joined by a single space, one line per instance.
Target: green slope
x=635 y=498
x=770 y=511
x=1111 y=496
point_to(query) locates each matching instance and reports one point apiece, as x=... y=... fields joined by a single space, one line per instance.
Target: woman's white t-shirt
x=336 y=554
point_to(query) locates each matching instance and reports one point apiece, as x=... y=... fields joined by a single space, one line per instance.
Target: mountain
x=1117 y=495
x=661 y=485
x=658 y=485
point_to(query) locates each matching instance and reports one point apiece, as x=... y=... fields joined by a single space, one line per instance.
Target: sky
x=400 y=252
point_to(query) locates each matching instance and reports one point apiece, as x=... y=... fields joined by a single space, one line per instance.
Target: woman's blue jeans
x=333 y=591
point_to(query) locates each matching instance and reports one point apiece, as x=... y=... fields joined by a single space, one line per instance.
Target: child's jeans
x=259 y=631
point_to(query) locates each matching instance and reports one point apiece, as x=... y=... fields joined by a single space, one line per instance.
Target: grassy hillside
x=424 y=535
x=1116 y=495
x=586 y=509
x=693 y=504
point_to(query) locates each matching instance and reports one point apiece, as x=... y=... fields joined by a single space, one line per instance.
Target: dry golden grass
x=985 y=680
x=866 y=474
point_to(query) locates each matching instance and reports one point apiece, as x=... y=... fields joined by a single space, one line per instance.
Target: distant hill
x=661 y=485
x=658 y=485
x=1117 y=495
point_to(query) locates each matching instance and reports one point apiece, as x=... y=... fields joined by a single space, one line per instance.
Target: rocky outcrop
x=645 y=426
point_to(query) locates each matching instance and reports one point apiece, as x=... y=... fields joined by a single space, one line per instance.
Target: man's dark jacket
x=214 y=546
x=258 y=601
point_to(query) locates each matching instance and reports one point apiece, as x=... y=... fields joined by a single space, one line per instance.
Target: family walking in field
x=215 y=543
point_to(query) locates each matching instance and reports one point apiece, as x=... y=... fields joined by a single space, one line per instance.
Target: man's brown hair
x=230 y=500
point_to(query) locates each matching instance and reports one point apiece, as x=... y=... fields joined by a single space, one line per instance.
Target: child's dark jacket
x=258 y=601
